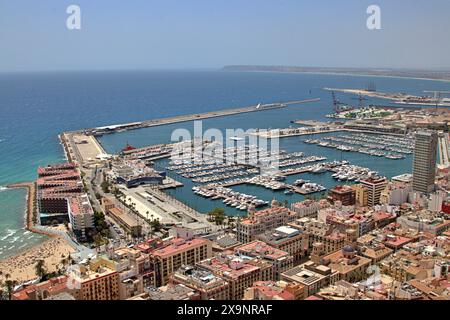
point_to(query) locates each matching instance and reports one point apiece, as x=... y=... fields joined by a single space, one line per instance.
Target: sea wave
x=14 y=239
x=2 y=188
x=9 y=233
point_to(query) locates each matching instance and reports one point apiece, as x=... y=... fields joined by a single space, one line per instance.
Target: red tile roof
x=178 y=245
x=259 y=248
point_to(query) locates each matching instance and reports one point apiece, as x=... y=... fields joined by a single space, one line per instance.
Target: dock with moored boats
x=394 y=148
x=81 y=146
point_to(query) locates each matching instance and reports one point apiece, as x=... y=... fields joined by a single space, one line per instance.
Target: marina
x=215 y=177
x=275 y=182
x=181 y=152
x=237 y=163
x=293 y=132
x=394 y=148
x=281 y=184
x=352 y=173
x=272 y=184
x=230 y=198
x=159 y=135
x=210 y=170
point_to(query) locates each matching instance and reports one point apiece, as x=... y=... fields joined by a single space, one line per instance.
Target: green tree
x=105 y=186
x=217 y=215
x=41 y=272
x=100 y=224
x=155 y=225
x=10 y=284
x=98 y=240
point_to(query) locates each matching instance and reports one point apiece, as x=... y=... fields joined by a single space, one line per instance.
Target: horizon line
x=218 y=68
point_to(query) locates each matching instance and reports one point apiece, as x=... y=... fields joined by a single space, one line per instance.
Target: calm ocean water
x=35 y=108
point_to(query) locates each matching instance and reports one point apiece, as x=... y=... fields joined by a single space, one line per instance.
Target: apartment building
x=176 y=252
x=288 y=239
x=261 y=221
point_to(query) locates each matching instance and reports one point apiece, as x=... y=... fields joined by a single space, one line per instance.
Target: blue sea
x=35 y=108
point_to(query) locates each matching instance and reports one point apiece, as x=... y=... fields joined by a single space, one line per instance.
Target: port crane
x=437 y=95
x=336 y=103
x=371 y=87
x=361 y=99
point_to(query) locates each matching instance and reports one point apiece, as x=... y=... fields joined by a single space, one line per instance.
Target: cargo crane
x=336 y=103
x=371 y=87
x=437 y=96
x=339 y=106
x=361 y=101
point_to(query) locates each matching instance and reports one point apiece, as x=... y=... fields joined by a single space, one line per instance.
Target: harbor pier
x=195 y=116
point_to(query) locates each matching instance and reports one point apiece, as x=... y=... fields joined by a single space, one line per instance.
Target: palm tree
x=40 y=269
x=10 y=284
x=231 y=222
x=155 y=225
x=218 y=216
x=1 y=290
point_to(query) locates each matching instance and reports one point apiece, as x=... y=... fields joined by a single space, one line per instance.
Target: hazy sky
x=161 y=34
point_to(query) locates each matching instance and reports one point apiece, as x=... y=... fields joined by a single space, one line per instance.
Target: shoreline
x=21 y=266
x=28 y=218
x=342 y=74
x=30 y=207
x=45 y=249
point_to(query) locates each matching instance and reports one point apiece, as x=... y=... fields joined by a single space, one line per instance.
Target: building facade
x=208 y=285
x=81 y=216
x=424 y=161
x=345 y=194
x=177 y=252
x=288 y=239
x=374 y=186
x=261 y=221
x=280 y=260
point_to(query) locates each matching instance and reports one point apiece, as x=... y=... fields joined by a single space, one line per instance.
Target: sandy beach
x=22 y=266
